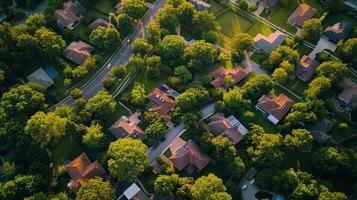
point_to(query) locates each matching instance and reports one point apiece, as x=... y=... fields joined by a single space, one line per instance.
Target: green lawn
x=338 y=133
x=336 y=17
x=261 y=120
x=216 y=8
x=69 y=147
x=104 y=6
x=278 y=90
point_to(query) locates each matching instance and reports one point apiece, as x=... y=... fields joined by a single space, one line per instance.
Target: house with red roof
x=187 y=155
x=67 y=17
x=219 y=75
x=302 y=13
x=306 y=68
x=274 y=107
x=78 y=52
x=229 y=127
x=82 y=169
x=161 y=103
x=128 y=127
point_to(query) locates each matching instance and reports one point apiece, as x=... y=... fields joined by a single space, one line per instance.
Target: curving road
x=121 y=56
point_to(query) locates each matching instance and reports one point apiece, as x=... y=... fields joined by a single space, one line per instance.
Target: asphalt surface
x=92 y=87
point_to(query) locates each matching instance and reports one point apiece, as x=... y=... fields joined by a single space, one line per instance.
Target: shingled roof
x=78 y=52
x=349 y=92
x=127 y=127
x=306 y=68
x=67 y=16
x=160 y=103
x=270 y=43
x=302 y=13
x=338 y=31
x=219 y=75
x=275 y=106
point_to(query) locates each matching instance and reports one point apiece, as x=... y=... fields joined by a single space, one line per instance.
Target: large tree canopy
x=95 y=189
x=200 y=55
x=207 y=187
x=170 y=49
x=334 y=70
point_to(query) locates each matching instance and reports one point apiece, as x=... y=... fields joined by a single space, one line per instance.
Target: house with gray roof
x=270 y=43
x=320 y=130
x=338 y=31
x=348 y=97
x=41 y=77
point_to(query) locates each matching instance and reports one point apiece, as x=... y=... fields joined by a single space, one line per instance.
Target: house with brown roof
x=229 y=127
x=348 y=97
x=274 y=107
x=306 y=68
x=161 y=103
x=99 y=22
x=187 y=154
x=78 y=52
x=270 y=43
x=82 y=169
x=267 y=3
x=219 y=75
x=67 y=17
x=302 y=13
x=128 y=127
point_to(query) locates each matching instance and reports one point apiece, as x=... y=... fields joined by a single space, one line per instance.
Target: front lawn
x=215 y=7
x=104 y=6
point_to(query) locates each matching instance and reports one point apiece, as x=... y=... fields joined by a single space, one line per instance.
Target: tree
x=206 y=186
x=35 y=22
x=327 y=195
x=170 y=49
x=124 y=24
x=183 y=74
x=46 y=129
x=118 y=72
x=21 y=186
x=136 y=63
x=28 y=48
x=334 y=70
x=153 y=33
x=105 y=37
x=50 y=43
x=138 y=95
x=243 y=4
x=303 y=112
x=280 y=75
x=255 y=87
x=211 y=37
x=317 y=87
x=283 y=53
x=242 y=43
x=76 y=93
x=167 y=19
x=220 y=196
x=166 y=185
x=153 y=64
x=347 y=50
x=223 y=149
x=312 y=29
x=331 y=161
x=192 y=99
x=288 y=67
x=101 y=105
x=203 y=22
x=141 y=47
x=236 y=168
x=235 y=102
x=185 y=13
x=134 y=8
x=298 y=139
x=95 y=189
x=93 y=136
x=127 y=158
x=156 y=130
x=200 y=55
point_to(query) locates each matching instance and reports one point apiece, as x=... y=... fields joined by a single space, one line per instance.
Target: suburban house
x=187 y=154
x=82 y=169
x=338 y=31
x=134 y=193
x=302 y=13
x=78 y=52
x=305 y=70
x=274 y=107
x=270 y=43
x=99 y=22
x=219 y=75
x=67 y=17
x=348 y=97
x=128 y=127
x=351 y=7
x=266 y=3
x=41 y=77
x=200 y=4
x=321 y=129
x=229 y=127
x=161 y=102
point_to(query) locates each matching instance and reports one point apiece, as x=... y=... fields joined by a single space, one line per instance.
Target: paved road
x=249 y=192
x=120 y=57
x=176 y=132
x=39 y=9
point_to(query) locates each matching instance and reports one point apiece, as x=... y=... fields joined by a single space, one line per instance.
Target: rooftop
x=270 y=43
x=302 y=13
x=219 y=75
x=306 y=68
x=78 y=52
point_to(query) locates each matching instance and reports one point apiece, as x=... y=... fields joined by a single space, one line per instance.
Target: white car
x=244 y=187
x=109 y=65
x=252 y=181
x=128 y=41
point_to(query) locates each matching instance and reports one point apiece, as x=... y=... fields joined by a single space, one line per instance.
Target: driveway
x=321 y=45
x=249 y=192
x=252 y=66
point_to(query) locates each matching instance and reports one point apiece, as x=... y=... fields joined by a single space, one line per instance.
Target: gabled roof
x=78 y=52
x=67 y=16
x=306 y=68
x=187 y=153
x=321 y=129
x=276 y=106
x=302 y=13
x=349 y=92
x=268 y=3
x=338 y=31
x=160 y=103
x=270 y=43
x=41 y=77
x=229 y=127
x=81 y=169
x=125 y=127
x=237 y=73
x=99 y=22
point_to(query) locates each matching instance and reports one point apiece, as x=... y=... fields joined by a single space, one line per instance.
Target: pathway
x=322 y=45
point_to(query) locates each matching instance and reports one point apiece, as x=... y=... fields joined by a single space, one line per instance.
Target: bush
x=211 y=37
x=18 y=13
x=322 y=57
x=253 y=7
x=243 y=4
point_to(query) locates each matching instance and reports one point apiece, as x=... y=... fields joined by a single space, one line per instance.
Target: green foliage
x=127 y=159
x=46 y=129
x=166 y=185
x=235 y=102
x=156 y=130
x=207 y=187
x=167 y=19
x=95 y=189
x=327 y=195
x=170 y=49
x=200 y=55
x=51 y=44
x=101 y=105
x=183 y=74
x=304 y=112
x=312 y=30
x=211 y=37
x=280 y=75
x=331 y=161
x=317 y=87
x=105 y=38
x=242 y=43
x=192 y=99
x=35 y=22
x=223 y=149
x=118 y=72
x=334 y=70
x=124 y=24
x=203 y=22
x=138 y=96
x=283 y=53
x=347 y=50
x=255 y=87
x=21 y=186
x=185 y=13
x=134 y=8
x=141 y=47
x=93 y=136
x=297 y=139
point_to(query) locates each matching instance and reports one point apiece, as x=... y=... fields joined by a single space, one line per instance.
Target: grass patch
x=215 y=7
x=303 y=50
x=104 y=6
x=261 y=120
x=168 y=153
x=338 y=133
x=69 y=147
x=185 y=136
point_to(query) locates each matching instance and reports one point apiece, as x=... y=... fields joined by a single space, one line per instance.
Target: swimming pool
x=51 y=71
x=174 y=94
